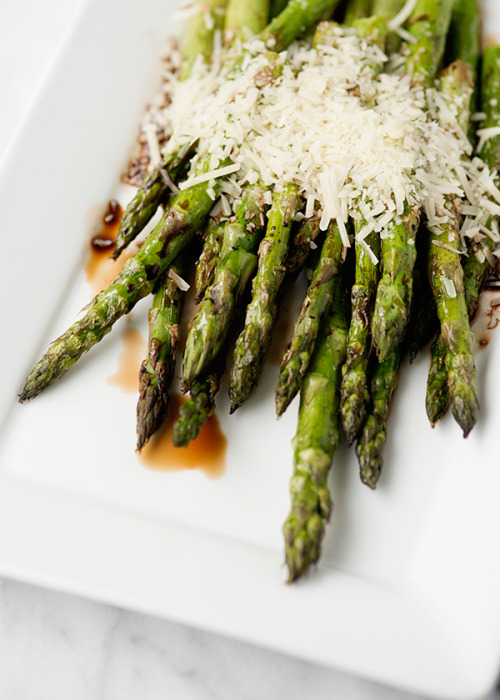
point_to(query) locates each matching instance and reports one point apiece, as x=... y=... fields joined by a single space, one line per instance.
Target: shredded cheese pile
x=360 y=142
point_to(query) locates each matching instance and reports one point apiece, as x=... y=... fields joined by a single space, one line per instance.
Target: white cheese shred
x=449 y=287
x=181 y=283
x=402 y=15
x=211 y=175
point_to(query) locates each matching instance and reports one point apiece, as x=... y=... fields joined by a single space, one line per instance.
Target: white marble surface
x=54 y=645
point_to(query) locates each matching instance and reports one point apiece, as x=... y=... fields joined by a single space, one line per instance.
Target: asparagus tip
x=465 y=405
x=369 y=451
x=352 y=419
x=281 y=402
x=369 y=477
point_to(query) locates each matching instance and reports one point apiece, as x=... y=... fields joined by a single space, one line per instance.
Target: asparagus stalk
x=357 y=9
x=185 y=215
x=386 y=8
x=455 y=330
x=209 y=257
x=253 y=342
x=244 y=20
x=394 y=293
x=316 y=305
x=389 y=9
x=211 y=325
x=424 y=323
x=354 y=390
x=370 y=445
x=157 y=370
x=476 y=266
x=445 y=268
x=197 y=409
x=437 y=397
x=294 y=20
x=300 y=245
x=428 y=24
x=277 y=6
x=463 y=44
x=465 y=34
x=198 y=39
x=198 y=35
x=316 y=439
x=395 y=289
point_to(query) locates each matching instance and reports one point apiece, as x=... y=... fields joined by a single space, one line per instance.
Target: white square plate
x=407 y=591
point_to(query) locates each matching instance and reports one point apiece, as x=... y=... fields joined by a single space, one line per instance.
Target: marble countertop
x=59 y=646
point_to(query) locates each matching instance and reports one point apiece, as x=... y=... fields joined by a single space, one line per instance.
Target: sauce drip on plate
x=100 y=269
x=207 y=452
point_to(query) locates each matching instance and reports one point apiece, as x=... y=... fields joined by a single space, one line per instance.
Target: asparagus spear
x=197 y=409
x=428 y=24
x=300 y=245
x=394 y=296
x=476 y=266
x=277 y=6
x=316 y=439
x=445 y=270
x=209 y=257
x=354 y=391
x=455 y=330
x=198 y=35
x=253 y=342
x=386 y=8
x=389 y=9
x=465 y=35
x=244 y=20
x=157 y=370
x=394 y=291
x=372 y=439
x=463 y=43
x=296 y=18
x=437 y=397
x=185 y=215
x=211 y=325
x=315 y=306
x=357 y=9
x=424 y=323
x=198 y=39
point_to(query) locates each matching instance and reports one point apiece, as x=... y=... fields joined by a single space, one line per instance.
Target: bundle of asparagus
x=356 y=213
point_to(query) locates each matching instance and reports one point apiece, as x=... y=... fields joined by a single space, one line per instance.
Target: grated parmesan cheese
x=450 y=288
x=357 y=140
x=181 y=283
